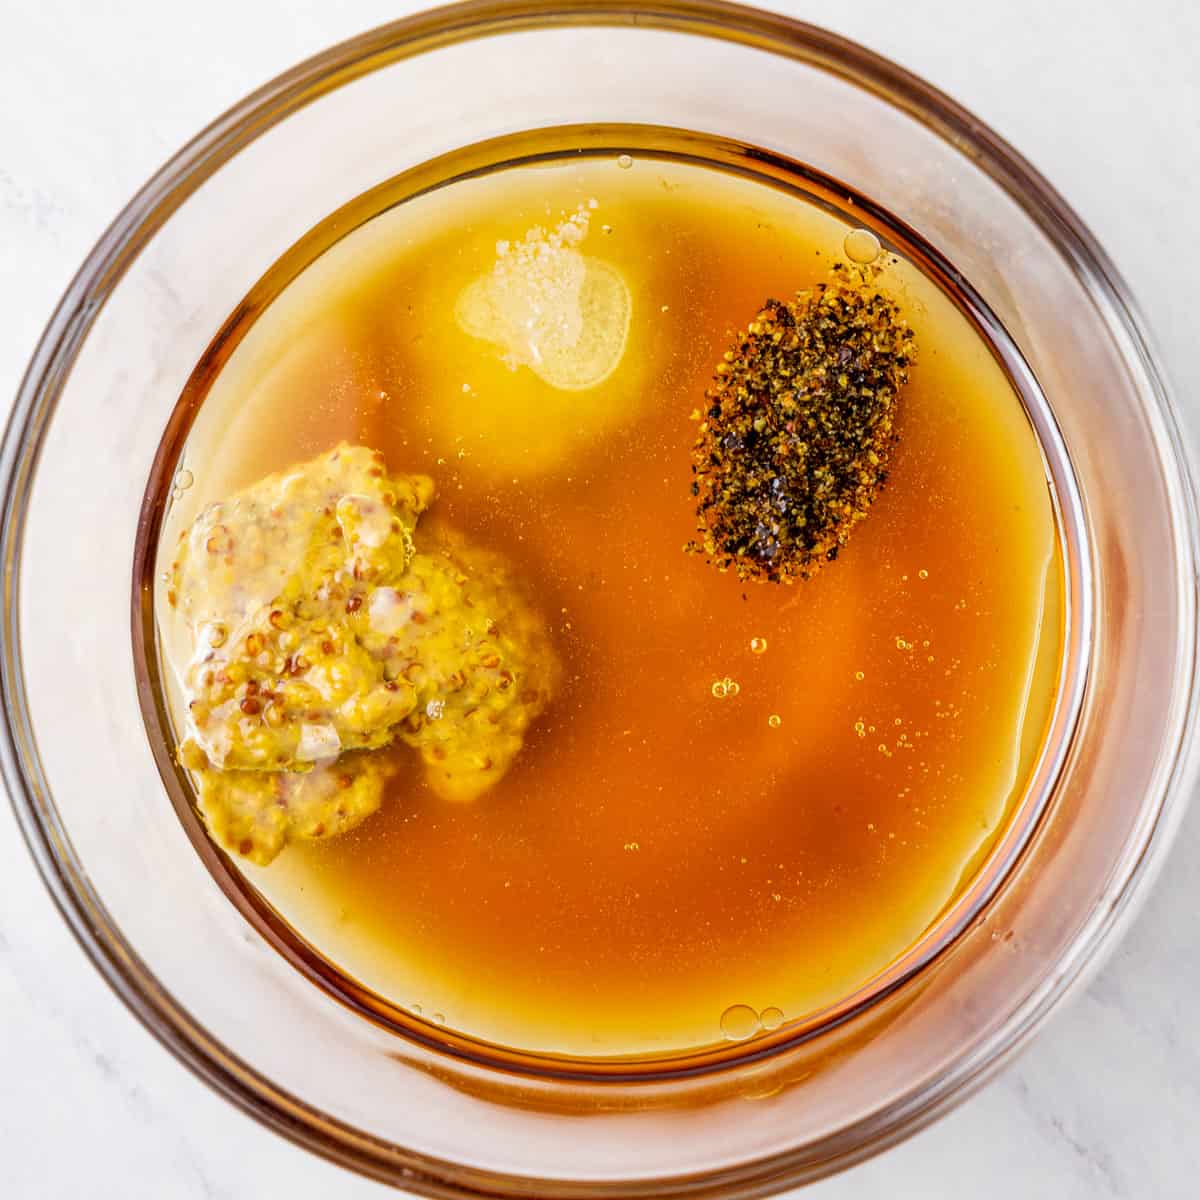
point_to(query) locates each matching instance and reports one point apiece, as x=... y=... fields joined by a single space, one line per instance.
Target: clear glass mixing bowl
x=79 y=449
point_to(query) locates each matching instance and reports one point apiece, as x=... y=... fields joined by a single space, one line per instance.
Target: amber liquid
x=661 y=853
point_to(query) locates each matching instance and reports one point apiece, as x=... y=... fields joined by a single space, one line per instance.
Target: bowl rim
x=120 y=245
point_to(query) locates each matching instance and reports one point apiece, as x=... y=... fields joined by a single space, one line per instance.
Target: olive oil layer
x=743 y=794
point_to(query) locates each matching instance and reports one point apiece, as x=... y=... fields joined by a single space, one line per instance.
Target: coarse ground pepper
x=794 y=443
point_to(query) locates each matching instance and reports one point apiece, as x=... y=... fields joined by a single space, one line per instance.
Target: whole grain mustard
x=321 y=633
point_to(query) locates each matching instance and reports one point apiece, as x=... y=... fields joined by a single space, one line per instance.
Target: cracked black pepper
x=795 y=438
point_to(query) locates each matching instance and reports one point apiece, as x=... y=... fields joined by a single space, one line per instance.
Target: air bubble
x=861 y=246
x=184 y=479
x=774 y=720
x=758 y=645
x=771 y=1018
x=739 y=1022
x=438 y=1019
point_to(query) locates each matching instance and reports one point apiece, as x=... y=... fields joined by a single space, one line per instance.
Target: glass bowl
x=83 y=439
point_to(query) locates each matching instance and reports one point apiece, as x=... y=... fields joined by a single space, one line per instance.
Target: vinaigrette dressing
x=745 y=799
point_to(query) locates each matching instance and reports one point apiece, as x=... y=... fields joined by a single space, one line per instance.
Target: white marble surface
x=1104 y=98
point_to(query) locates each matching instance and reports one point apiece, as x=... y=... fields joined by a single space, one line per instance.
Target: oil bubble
x=774 y=720
x=438 y=1019
x=184 y=479
x=758 y=645
x=861 y=246
x=739 y=1022
x=771 y=1018
x=624 y=161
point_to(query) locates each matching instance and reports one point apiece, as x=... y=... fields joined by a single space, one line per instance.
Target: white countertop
x=1104 y=98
